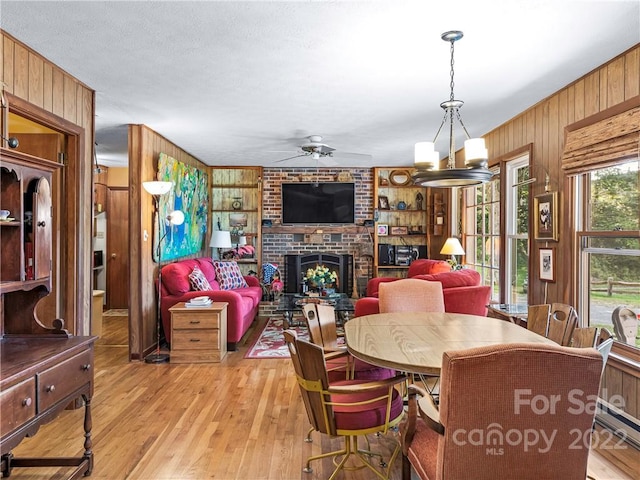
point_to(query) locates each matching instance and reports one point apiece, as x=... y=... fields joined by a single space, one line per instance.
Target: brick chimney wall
x=339 y=240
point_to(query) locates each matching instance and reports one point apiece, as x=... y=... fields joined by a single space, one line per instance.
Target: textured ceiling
x=243 y=83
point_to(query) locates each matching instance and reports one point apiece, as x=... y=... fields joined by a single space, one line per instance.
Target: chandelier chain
x=451 y=74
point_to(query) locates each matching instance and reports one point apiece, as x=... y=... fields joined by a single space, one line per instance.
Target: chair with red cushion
x=348 y=408
x=341 y=365
x=494 y=422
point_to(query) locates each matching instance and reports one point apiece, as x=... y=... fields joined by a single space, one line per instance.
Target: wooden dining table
x=415 y=342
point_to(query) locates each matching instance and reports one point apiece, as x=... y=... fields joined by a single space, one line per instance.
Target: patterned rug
x=270 y=343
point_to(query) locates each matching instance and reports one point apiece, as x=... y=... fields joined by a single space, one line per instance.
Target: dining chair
x=411 y=295
x=341 y=365
x=516 y=426
x=584 y=337
x=538 y=318
x=562 y=321
x=347 y=408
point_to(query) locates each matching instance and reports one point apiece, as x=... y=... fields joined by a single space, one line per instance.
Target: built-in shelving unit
x=236 y=204
x=402 y=221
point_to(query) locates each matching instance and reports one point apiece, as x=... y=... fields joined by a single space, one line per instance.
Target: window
x=481 y=209
x=517 y=230
x=483 y=232
x=610 y=251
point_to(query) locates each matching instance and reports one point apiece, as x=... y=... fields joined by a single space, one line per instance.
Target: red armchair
x=422 y=266
x=461 y=290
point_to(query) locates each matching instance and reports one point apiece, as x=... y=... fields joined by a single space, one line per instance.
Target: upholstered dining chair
x=411 y=295
x=515 y=426
x=347 y=408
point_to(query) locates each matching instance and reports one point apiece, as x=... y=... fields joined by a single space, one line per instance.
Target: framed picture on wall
x=383 y=202
x=547 y=265
x=545 y=221
x=383 y=230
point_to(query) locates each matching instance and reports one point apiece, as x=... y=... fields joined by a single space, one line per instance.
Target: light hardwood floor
x=241 y=419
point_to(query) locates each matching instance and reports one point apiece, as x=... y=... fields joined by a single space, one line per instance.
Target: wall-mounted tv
x=318 y=202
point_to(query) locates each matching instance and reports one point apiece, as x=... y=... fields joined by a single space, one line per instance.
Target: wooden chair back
x=603 y=334
x=562 y=321
x=311 y=372
x=411 y=295
x=538 y=318
x=321 y=321
x=584 y=337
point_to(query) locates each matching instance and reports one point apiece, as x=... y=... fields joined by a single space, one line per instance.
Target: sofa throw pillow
x=229 y=276
x=198 y=281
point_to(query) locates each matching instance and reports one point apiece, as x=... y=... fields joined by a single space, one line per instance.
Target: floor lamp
x=157 y=189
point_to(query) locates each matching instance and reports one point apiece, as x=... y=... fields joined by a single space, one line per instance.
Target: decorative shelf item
x=400 y=178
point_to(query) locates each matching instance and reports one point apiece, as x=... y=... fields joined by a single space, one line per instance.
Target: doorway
x=117 y=260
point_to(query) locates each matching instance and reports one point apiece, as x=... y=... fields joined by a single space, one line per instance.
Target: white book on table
x=199 y=302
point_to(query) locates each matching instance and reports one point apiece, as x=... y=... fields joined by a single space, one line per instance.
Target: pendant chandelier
x=427 y=160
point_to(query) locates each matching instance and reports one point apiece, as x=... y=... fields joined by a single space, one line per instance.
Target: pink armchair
x=461 y=290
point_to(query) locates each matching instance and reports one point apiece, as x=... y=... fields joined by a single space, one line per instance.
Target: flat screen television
x=318 y=202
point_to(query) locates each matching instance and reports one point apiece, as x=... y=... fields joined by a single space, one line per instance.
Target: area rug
x=270 y=343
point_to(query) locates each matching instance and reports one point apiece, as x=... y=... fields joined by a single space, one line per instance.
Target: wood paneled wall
x=145 y=147
x=32 y=78
x=542 y=126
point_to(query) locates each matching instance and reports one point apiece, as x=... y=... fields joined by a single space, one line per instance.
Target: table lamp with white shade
x=220 y=239
x=452 y=247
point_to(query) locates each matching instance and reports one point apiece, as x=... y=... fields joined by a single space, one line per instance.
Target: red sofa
x=242 y=305
x=461 y=289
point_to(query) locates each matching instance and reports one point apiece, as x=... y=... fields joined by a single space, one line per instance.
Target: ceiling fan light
x=425 y=156
x=475 y=152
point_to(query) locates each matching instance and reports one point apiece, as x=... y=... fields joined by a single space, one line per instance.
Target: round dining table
x=415 y=342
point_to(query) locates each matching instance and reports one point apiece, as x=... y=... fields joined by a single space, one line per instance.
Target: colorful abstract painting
x=190 y=194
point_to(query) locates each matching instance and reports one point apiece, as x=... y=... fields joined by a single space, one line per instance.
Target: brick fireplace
x=297 y=265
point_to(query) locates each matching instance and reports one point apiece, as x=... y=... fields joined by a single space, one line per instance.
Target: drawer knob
x=194 y=322
x=27 y=402
x=50 y=388
x=86 y=366
x=194 y=340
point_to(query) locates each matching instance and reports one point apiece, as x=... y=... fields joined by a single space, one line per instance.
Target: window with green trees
x=610 y=251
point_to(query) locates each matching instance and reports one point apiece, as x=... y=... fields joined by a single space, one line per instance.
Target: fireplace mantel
x=305 y=229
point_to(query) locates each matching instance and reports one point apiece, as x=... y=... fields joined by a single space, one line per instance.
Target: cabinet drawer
x=57 y=382
x=195 y=339
x=195 y=319
x=18 y=405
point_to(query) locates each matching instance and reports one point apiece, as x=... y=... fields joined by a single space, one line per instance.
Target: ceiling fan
x=317 y=150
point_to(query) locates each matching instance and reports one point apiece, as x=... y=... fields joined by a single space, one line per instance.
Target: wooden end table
x=198 y=334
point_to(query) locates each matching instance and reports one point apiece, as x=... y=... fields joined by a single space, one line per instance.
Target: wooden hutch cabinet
x=43 y=369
